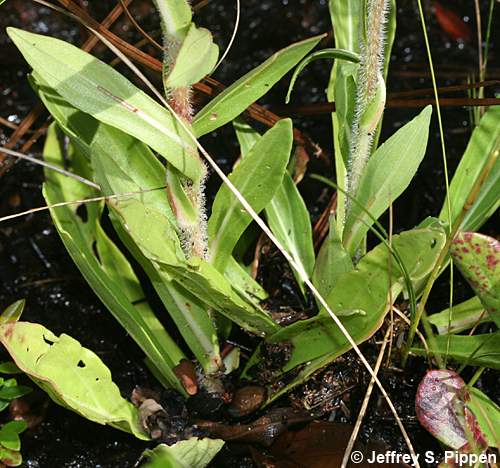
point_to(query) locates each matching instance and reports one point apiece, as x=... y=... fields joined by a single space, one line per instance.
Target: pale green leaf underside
x=190 y=453
x=72 y=375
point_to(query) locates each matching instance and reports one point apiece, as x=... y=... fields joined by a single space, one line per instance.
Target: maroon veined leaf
x=441 y=407
x=478 y=258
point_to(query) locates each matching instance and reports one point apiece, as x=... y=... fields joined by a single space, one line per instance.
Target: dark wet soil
x=34 y=264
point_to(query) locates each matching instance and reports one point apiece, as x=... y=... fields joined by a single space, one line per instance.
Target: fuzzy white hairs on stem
x=370 y=96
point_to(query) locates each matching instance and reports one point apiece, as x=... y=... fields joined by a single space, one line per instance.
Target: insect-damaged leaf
x=73 y=376
x=190 y=453
x=441 y=406
x=101 y=262
x=97 y=89
x=478 y=258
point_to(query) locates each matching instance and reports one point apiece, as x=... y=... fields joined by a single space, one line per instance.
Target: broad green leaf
x=361 y=299
x=257 y=177
x=97 y=89
x=124 y=165
x=250 y=87
x=196 y=58
x=472 y=163
x=105 y=268
x=338 y=54
x=9 y=434
x=476 y=350
x=478 y=258
x=190 y=453
x=464 y=316
x=365 y=289
x=130 y=167
x=487 y=414
x=332 y=261
x=206 y=282
x=13 y=312
x=387 y=174
x=286 y=213
x=73 y=376
x=150 y=230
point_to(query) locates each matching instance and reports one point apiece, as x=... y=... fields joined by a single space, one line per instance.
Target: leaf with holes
x=99 y=260
x=97 y=89
x=441 y=406
x=478 y=258
x=190 y=453
x=73 y=376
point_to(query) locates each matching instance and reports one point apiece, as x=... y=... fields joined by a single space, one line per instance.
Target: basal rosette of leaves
x=144 y=185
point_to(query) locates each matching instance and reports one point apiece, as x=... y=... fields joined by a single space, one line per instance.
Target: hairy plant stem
x=186 y=197
x=370 y=97
x=476 y=188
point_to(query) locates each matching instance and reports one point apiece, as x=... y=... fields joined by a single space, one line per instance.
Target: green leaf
x=464 y=316
x=9 y=434
x=176 y=17
x=257 y=177
x=104 y=267
x=339 y=54
x=250 y=87
x=190 y=453
x=332 y=261
x=487 y=414
x=97 y=89
x=9 y=368
x=150 y=230
x=361 y=299
x=478 y=258
x=243 y=282
x=476 y=350
x=196 y=58
x=387 y=174
x=286 y=213
x=472 y=163
x=14 y=391
x=13 y=312
x=289 y=221
x=10 y=457
x=73 y=376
